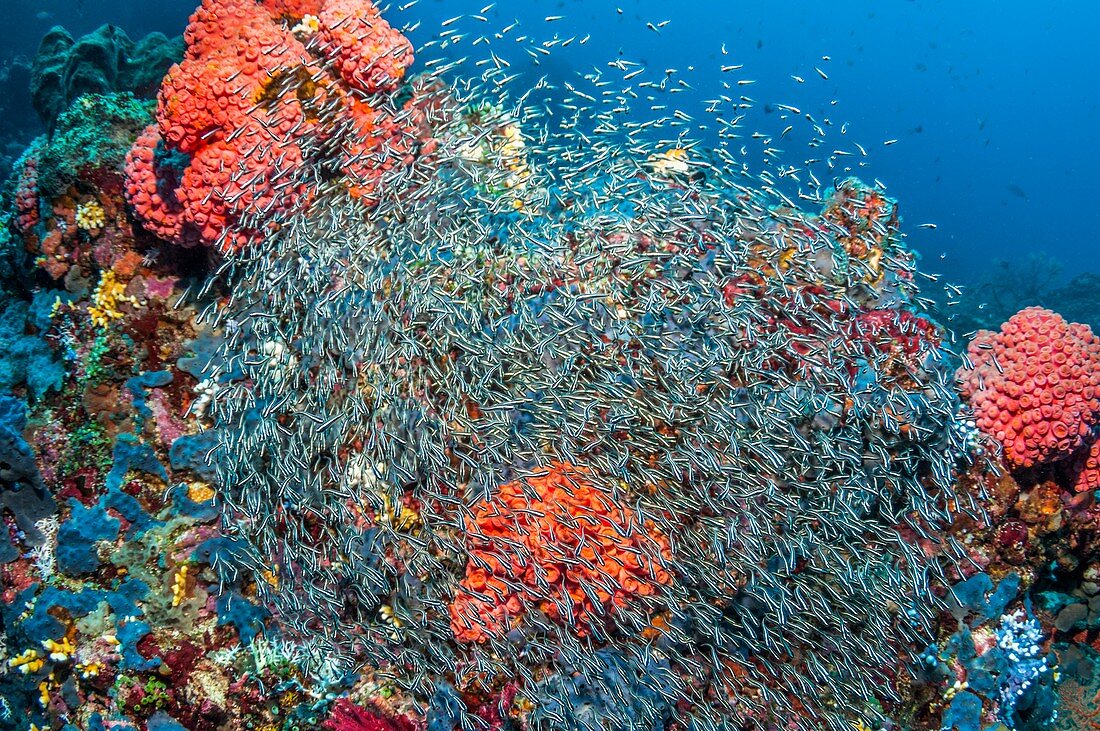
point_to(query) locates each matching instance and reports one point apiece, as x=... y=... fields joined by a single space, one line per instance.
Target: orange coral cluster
x=1035 y=388
x=554 y=540
x=862 y=219
x=233 y=118
x=368 y=57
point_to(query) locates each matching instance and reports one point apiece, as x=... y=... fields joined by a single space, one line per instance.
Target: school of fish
x=576 y=402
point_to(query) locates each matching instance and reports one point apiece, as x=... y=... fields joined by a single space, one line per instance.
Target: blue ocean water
x=993 y=104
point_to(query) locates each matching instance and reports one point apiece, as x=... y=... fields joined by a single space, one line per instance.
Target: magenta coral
x=898 y=341
x=346 y=716
x=26 y=193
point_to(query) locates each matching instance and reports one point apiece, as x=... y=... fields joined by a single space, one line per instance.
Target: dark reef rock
x=20 y=123
x=23 y=494
x=101 y=62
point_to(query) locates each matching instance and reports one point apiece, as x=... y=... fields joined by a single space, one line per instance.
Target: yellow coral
x=501 y=154
x=179 y=586
x=271 y=576
x=106 y=298
x=401 y=516
x=88 y=670
x=954 y=690
x=670 y=163
x=90 y=215
x=513 y=151
x=387 y=615
x=28 y=662
x=307 y=26
x=200 y=492
x=59 y=650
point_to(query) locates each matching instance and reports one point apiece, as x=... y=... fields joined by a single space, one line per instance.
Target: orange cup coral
x=258 y=85
x=559 y=543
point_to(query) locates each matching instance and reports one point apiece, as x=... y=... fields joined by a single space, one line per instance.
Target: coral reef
x=454 y=370
x=28 y=360
x=71 y=180
x=1000 y=654
x=346 y=716
x=26 y=190
x=338 y=399
x=1003 y=674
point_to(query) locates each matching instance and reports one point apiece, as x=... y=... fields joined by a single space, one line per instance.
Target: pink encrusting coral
x=26 y=193
x=260 y=83
x=1035 y=388
x=1087 y=469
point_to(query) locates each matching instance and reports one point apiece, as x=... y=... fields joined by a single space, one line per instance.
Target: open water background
x=993 y=103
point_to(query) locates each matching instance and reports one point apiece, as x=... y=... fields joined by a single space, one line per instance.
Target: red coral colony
x=258 y=82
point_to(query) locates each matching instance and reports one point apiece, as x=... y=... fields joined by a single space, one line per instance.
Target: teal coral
x=77 y=537
x=25 y=357
x=94 y=133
